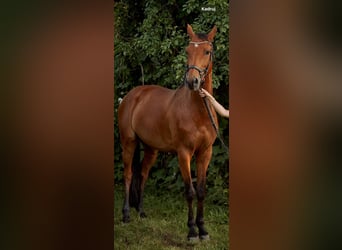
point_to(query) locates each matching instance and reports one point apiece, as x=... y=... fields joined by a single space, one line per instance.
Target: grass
x=165 y=227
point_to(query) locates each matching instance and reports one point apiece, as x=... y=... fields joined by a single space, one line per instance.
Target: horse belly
x=152 y=128
x=154 y=138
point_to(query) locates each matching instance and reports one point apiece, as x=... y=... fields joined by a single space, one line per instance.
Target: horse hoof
x=125 y=219
x=193 y=238
x=205 y=237
x=143 y=215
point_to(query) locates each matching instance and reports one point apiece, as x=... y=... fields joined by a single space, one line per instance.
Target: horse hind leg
x=128 y=150
x=150 y=156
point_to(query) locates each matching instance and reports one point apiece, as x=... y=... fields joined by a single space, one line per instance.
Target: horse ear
x=190 y=31
x=212 y=34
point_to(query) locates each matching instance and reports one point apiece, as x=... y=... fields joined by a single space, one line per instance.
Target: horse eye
x=207 y=52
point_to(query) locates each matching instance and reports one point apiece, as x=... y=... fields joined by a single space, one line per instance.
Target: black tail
x=135 y=190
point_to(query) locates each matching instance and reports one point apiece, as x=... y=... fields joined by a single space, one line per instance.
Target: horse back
x=145 y=98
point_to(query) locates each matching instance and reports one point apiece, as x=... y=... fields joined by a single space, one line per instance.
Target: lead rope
x=205 y=99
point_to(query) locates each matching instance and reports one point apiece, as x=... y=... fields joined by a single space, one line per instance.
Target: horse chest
x=192 y=134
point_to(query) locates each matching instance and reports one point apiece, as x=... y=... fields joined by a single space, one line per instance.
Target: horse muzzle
x=194 y=83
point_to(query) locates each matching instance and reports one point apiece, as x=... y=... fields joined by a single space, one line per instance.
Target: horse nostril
x=195 y=81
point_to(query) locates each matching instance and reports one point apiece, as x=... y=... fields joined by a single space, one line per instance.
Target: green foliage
x=155 y=41
x=149 y=46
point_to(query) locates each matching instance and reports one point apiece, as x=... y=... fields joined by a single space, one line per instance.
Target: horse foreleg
x=150 y=156
x=202 y=162
x=184 y=164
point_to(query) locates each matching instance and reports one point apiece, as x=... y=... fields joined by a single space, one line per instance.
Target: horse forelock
x=202 y=36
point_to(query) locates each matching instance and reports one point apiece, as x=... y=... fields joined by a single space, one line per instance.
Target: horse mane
x=202 y=36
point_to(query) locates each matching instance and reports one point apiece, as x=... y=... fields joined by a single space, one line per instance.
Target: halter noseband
x=202 y=72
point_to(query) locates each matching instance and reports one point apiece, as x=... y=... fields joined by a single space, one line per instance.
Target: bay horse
x=171 y=121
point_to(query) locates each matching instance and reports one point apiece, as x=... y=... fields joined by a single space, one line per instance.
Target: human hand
x=203 y=92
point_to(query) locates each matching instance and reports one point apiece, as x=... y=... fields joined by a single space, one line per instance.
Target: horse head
x=200 y=56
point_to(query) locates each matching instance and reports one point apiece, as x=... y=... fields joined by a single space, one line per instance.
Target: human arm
x=218 y=107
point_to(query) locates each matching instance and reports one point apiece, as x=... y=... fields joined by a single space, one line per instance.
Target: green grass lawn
x=165 y=226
